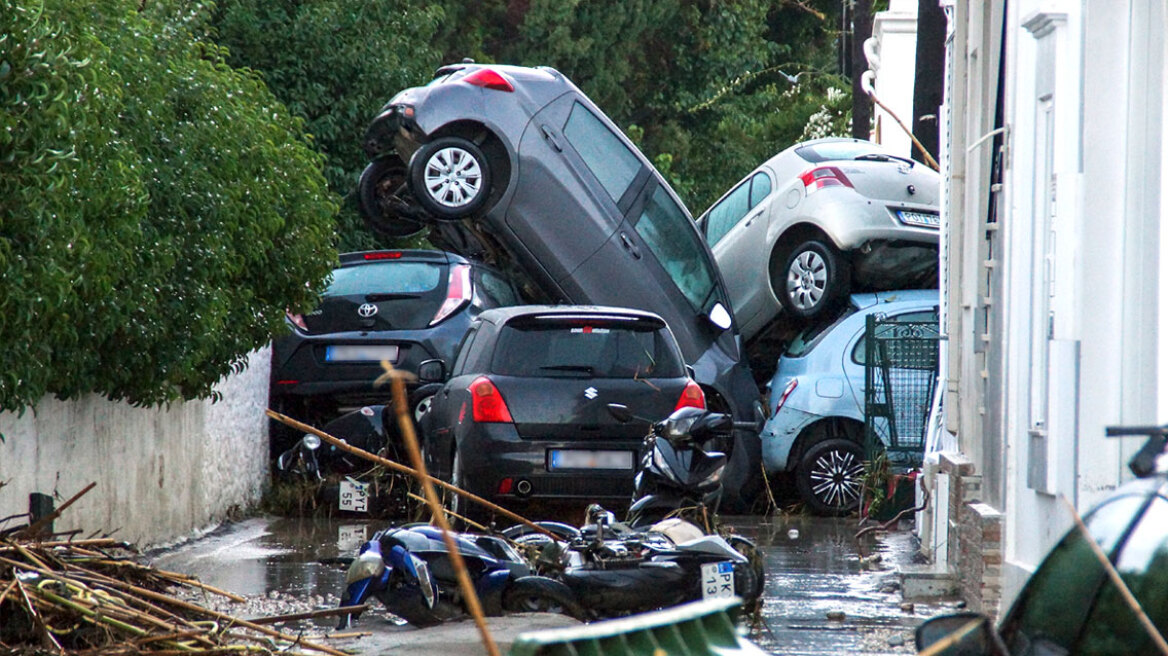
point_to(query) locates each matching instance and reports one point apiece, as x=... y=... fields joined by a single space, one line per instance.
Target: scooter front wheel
x=536 y=594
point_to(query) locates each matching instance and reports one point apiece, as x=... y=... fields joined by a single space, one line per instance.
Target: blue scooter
x=409 y=570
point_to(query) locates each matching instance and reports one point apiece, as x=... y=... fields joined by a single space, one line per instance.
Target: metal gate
x=900 y=373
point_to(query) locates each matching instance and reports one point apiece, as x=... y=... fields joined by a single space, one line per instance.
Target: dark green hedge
x=158 y=208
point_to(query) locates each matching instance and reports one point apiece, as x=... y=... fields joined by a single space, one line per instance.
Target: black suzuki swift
x=524 y=413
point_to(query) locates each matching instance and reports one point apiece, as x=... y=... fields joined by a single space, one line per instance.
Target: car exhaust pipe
x=523 y=487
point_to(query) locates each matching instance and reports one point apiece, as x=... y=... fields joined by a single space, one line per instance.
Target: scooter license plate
x=354 y=496
x=718 y=580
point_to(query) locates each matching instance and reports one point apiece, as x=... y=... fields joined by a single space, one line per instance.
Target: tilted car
x=819 y=219
x=816 y=428
x=403 y=306
x=1070 y=605
x=524 y=412
x=516 y=166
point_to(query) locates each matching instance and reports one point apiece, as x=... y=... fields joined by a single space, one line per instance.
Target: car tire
x=450 y=177
x=829 y=477
x=813 y=278
x=459 y=504
x=539 y=594
x=382 y=195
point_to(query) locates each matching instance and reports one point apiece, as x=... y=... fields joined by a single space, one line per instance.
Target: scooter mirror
x=620 y=412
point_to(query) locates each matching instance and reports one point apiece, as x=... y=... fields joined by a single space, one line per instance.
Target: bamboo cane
x=470 y=597
x=307 y=615
x=344 y=446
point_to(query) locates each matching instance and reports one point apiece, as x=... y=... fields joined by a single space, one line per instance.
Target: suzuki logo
x=591 y=393
x=367 y=310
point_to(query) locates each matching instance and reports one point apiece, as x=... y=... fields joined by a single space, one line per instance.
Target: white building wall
x=894 y=39
x=161 y=473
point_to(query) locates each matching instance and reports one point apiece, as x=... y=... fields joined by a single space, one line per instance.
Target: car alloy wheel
x=450 y=177
x=816 y=276
x=829 y=476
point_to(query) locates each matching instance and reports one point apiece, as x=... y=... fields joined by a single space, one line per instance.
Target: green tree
x=158 y=209
x=334 y=63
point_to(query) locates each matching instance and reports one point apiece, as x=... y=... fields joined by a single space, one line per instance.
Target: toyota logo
x=367 y=310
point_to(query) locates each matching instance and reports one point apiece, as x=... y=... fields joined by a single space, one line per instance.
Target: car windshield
x=677 y=246
x=387 y=277
x=836 y=150
x=586 y=348
x=802 y=344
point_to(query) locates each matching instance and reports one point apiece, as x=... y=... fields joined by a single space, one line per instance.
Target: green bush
x=158 y=208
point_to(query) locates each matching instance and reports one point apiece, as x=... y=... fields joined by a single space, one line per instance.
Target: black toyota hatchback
x=403 y=306
x=524 y=413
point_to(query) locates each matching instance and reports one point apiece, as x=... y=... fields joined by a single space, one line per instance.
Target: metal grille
x=900 y=374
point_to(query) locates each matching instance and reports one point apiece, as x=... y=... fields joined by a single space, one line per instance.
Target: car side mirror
x=432 y=371
x=720 y=316
x=959 y=634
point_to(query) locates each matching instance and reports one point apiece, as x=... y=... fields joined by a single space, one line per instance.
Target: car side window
x=727 y=213
x=463 y=351
x=760 y=188
x=493 y=291
x=1050 y=611
x=609 y=159
x=1113 y=627
x=860 y=352
x=670 y=235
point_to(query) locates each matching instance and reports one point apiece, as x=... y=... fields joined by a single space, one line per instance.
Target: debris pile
x=91 y=596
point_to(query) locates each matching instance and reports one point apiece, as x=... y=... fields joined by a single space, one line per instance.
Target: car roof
x=506 y=314
x=865 y=301
x=406 y=255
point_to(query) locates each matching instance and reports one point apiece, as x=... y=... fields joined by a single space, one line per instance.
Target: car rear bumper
x=500 y=465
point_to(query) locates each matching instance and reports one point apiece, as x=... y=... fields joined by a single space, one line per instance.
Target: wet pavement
x=825 y=592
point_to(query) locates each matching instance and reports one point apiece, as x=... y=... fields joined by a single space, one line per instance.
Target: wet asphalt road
x=825 y=593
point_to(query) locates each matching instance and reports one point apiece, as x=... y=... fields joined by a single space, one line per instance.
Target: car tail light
x=488 y=79
x=457 y=292
x=786 y=393
x=823 y=176
x=691 y=397
x=505 y=486
x=487 y=403
x=297 y=320
x=384 y=255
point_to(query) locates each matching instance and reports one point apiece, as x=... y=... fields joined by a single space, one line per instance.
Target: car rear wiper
x=389 y=296
x=582 y=368
x=882 y=157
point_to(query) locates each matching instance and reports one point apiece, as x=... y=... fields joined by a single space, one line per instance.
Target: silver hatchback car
x=819 y=219
x=816 y=429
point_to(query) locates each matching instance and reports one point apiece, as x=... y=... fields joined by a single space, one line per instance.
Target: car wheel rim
x=453 y=177
x=835 y=478
x=807 y=280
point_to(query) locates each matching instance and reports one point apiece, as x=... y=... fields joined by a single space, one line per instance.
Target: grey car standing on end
x=517 y=167
x=818 y=220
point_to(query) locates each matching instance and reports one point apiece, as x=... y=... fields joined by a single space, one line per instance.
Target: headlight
x=310 y=442
x=366 y=566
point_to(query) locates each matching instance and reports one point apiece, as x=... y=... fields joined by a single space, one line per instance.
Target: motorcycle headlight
x=310 y=442
x=366 y=566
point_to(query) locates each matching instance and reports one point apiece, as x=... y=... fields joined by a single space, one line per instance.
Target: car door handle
x=630 y=246
x=551 y=138
x=752 y=218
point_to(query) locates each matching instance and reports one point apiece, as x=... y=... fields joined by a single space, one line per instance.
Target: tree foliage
x=158 y=208
x=334 y=63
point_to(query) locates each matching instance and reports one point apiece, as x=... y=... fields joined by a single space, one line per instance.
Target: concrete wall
x=161 y=473
x=894 y=42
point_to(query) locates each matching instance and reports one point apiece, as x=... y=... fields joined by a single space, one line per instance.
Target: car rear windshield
x=811 y=337
x=586 y=348
x=836 y=150
x=386 y=278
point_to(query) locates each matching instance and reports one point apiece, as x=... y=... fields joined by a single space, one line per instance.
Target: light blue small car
x=816 y=428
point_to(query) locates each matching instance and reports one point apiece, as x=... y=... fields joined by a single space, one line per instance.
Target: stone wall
x=161 y=473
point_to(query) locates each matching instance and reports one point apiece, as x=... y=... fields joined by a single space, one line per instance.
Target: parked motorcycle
x=677 y=474
x=410 y=571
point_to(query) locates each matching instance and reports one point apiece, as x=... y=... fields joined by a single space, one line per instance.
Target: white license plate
x=923 y=219
x=350 y=537
x=718 y=580
x=361 y=353
x=354 y=496
x=581 y=459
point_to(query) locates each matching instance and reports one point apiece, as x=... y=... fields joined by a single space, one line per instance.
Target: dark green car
x=1070 y=605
